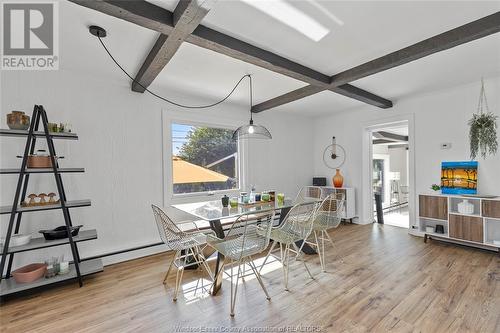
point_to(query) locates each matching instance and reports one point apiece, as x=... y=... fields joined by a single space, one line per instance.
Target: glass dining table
x=213 y=212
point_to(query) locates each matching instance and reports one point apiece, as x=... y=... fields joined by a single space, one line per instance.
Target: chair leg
x=329 y=238
x=323 y=250
x=333 y=245
x=318 y=248
x=299 y=253
x=234 y=289
x=178 y=280
x=287 y=265
x=204 y=264
x=170 y=267
x=259 y=278
x=267 y=256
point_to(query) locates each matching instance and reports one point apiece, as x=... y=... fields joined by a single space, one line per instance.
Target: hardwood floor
x=379 y=279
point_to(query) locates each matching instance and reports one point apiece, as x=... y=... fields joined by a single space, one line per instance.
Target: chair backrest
x=249 y=234
x=299 y=220
x=170 y=234
x=329 y=213
x=307 y=193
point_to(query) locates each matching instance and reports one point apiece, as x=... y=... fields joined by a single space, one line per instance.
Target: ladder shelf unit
x=39 y=128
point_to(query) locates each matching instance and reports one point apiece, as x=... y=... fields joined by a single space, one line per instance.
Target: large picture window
x=204 y=159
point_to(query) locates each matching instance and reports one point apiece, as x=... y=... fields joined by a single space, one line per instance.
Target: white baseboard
x=361 y=222
x=134 y=255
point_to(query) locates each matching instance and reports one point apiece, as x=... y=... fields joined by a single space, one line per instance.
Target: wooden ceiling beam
x=159 y=19
x=186 y=17
x=466 y=33
x=309 y=90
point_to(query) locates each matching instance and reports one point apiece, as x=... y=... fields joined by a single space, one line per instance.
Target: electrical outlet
x=446 y=145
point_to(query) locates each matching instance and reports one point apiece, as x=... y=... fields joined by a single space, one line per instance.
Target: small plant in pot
x=483 y=129
x=435 y=187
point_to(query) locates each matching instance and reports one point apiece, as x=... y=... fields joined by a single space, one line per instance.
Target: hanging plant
x=483 y=129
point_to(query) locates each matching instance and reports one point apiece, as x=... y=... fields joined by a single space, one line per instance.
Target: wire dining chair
x=308 y=193
x=295 y=228
x=247 y=236
x=328 y=216
x=188 y=247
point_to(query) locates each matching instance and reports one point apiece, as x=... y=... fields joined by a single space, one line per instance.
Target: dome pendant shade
x=251 y=131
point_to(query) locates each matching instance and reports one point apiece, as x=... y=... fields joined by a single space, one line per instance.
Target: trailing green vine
x=483 y=129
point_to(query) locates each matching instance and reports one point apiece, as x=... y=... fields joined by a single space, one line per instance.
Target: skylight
x=291 y=16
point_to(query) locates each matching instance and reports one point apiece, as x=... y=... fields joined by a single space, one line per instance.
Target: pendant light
x=251 y=131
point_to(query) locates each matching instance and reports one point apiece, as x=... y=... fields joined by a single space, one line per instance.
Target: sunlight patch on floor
x=271 y=265
x=196 y=290
x=398 y=217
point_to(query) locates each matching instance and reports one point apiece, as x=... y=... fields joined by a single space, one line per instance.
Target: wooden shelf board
x=432 y=219
x=41 y=170
x=445 y=235
x=40 y=242
x=69 y=204
x=21 y=133
x=10 y=286
x=469 y=215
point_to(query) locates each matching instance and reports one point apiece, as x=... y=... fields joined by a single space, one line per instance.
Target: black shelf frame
x=39 y=117
x=40 y=170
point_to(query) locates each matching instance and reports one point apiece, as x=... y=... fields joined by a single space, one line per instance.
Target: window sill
x=203 y=196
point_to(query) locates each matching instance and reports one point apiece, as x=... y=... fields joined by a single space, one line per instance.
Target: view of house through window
x=203 y=159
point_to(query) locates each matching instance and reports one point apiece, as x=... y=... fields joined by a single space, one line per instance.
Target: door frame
x=367 y=167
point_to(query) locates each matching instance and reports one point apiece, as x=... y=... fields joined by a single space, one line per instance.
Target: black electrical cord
x=167 y=100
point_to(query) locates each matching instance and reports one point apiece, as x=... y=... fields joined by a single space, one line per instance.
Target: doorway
x=390 y=161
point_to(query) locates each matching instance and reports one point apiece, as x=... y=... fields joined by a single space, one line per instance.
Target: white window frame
x=172 y=198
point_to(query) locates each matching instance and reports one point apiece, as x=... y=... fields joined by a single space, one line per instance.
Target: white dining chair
x=188 y=247
x=328 y=216
x=247 y=236
x=308 y=193
x=295 y=228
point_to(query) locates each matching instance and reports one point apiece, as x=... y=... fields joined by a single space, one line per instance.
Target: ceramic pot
x=17 y=120
x=465 y=207
x=338 y=179
x=29 y=273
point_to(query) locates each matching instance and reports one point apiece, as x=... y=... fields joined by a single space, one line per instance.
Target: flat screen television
x=459 y=177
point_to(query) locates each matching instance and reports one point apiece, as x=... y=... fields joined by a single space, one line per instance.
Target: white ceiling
x=371 y=29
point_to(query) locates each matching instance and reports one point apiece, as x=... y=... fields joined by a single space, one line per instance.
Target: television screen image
x=459 y=177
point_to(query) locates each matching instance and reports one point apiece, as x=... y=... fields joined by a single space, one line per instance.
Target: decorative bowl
x=60 y=232
x=17 y=120
x=17 y=240
x=29 y=273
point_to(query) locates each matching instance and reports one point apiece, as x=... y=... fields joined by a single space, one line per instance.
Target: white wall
x=398 y=163
x=440 y=117
x=120 y=146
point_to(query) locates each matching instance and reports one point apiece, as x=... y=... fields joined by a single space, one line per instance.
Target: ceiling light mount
x=97 y=31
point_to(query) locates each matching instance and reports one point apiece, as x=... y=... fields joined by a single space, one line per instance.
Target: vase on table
x=338 y=179
x=225 y=201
